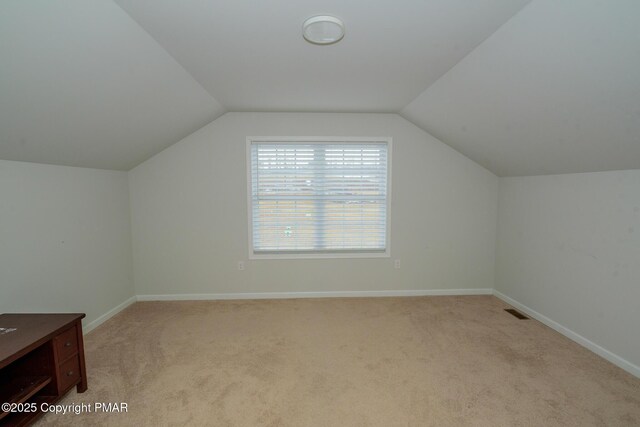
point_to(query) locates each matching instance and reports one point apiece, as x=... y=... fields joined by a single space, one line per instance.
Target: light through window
x=319 y=197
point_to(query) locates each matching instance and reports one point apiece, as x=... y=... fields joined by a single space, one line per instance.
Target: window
x=318 y=197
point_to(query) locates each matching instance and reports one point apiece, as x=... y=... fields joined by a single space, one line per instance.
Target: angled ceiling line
x=465 y=56
x=224 y=108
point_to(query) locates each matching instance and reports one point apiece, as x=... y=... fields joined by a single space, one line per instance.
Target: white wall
x=65 y=241
x=568 y=245
x=189 y=214
x=569 y=248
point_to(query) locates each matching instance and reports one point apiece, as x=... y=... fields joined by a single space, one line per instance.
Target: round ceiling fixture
x=323 y=29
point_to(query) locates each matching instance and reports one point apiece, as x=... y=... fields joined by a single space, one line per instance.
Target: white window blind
x=319 y=196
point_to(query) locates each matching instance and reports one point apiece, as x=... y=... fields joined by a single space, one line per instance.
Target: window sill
x=318 y=255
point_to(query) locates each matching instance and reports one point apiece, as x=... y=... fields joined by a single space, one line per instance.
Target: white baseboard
x=329 y=294
x=108 y=315
x=600 y=351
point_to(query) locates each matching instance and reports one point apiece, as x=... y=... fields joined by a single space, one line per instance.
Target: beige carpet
x=430 y=361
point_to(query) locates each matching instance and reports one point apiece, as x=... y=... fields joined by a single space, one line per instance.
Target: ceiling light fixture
x=323 y=29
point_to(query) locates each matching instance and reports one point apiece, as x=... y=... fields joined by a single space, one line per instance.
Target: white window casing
x=318 y=197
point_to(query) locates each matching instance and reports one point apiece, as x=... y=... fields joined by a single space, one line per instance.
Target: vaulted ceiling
x=81 y=84
x=554 y=90
x=522 y=87
x=250 y=55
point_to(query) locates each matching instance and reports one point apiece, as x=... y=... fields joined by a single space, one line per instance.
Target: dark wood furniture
x=41 y=359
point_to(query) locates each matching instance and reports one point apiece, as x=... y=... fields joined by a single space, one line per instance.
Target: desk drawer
x=66 y=344
x=69 y=373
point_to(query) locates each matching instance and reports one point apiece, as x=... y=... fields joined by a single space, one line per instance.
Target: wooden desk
x=41 y=359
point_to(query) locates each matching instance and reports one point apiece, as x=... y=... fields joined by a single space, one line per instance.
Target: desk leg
x=82 y=386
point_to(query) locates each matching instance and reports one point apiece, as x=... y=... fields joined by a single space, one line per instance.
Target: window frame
x=317 y=254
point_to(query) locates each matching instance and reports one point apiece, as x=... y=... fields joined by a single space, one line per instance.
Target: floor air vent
x=515 y=313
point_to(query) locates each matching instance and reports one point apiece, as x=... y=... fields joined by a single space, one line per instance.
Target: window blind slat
x=319 y=197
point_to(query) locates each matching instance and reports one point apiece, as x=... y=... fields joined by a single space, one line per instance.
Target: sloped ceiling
x=555 y=90
x=522 y=88
x=250 y=55
x=81 y=84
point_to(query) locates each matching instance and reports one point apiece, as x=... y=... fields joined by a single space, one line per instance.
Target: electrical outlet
x=396 y=263
x=240 y=265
